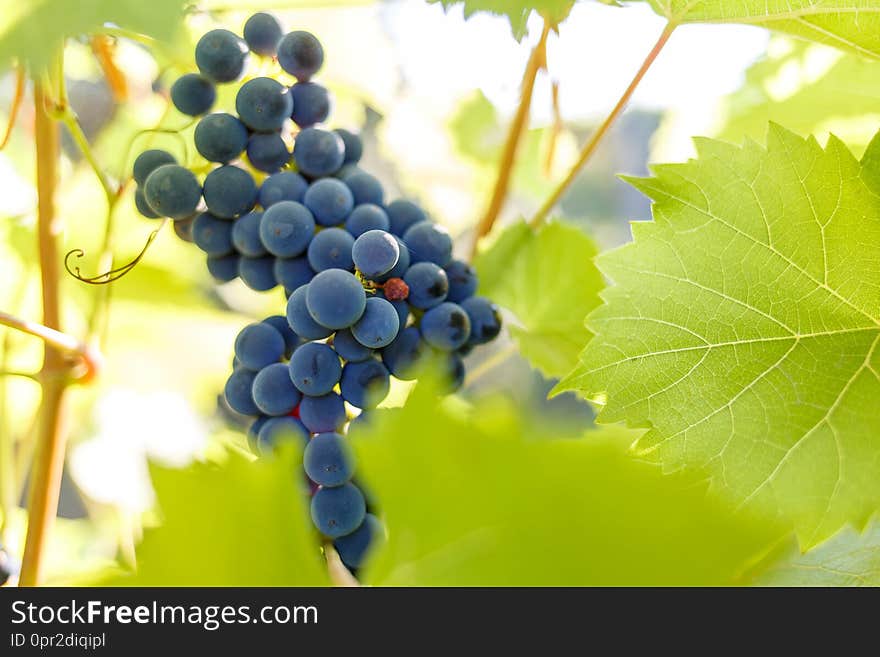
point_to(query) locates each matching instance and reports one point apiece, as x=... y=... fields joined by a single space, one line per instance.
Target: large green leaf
x=547 y=278
x=743 y=327
x=480 y=500
x=516 y=11
x=853 y=25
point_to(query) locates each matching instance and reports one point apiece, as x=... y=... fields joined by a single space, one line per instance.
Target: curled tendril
x=114 y=274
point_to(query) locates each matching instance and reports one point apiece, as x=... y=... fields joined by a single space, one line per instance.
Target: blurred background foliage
x=432 y=94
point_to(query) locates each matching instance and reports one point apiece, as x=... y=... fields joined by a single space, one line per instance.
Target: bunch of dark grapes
x=373 y=289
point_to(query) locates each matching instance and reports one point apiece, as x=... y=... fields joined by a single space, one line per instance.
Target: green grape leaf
x=852 y=25
x=209 y=518
x=481 y=500
x=516 y=11
x=34 y=29
x=743 y=326
x=548 y=280
x=846 y=559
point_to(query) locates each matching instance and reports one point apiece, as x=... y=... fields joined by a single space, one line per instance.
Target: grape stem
x=537 y=61
x=17 y=99
x=339 y=574
x=596 y=138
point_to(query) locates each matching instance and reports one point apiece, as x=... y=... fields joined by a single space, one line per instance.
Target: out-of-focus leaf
x=516 y=11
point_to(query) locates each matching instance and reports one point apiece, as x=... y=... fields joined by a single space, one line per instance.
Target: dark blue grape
x=193 y=94
x=453 y=372
x=230 y=192
x=330 y=200
x=428 y=242
x=274 y=393
x=365 y=188
x=287 y=228
x=324 y=413
x=149 y=161
x=328 y=460
x=300 y=319
x=331 y=249
x=291 y=339
x=258 y=346
x=238 y=392
x=354 y=548
x=172 y=191
x=292 y=273
x=220 y=137
x=267 y=152
x=428 y=285
x=246 y=235
x=406 y=355
x=365 y=384
x=258 y=273
x=349 y=348
x=224 y=268
x=183 y=228
x=335 y=299
x=485 y=319
x=462 y=281
x=284 y=186
x=263 y=104
x=446 y=327
x=318 y=152
x=403 y=215
x=338 y=511
x=379 y=324
x=401 y=306
x=262 y=32
x=402 y=265
x=366 y=217
x=278 y=430
x=221 y=55
x=375 y=252
x=354 y=147
x=253 y=433
x=311 y=104
x=300 y=54
x=142 y=206
x=212 y=235
x=315 y=369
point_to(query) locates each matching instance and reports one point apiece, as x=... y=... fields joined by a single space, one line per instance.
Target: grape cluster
x=373 y=291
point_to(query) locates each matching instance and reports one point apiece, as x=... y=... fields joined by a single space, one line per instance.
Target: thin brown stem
x=17 y=99
x=339 y=574
x=596 y=138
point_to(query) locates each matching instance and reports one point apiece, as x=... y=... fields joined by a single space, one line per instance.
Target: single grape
x=318 y=152
x=284 y=186
x=375 y=252
x=253 y=433
x=300 y=54
x=230 y=192
x=315 y=369
x=406 y=355
x=220 y=137
x=183 y=228
x=238 y=392
x=246 y=235
x=258 y=346
x=324 y=413
x=292 y=273
x=348 y=348
x=149 y=161
x=274 y=393
x=403 y=215
x=354 y=548
x=428 y=242
x=446 y=327
x=365 y=188
x=142 y=206
x=402 y=308
x=462 y=281
x=267 y=152
x=354 y=147
x=300 y=319
x=331 y=249
x=402 y=265
x=335 y=299
x=287 y=228
x=329 y=460
x=338 y=511
x=278 y=430
x=330 y=200
x=379 y=324
x=221 y=55
x=172 y=191
x=366 y=217
x=485 y=318
x=258 y=273
x=311 y=104
x=224 y=268
x=291 y=339
x=212 y=235
x=365 y=384
x=263 y=104
x=428 y=285
x=262 y=32
x=193 y=94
